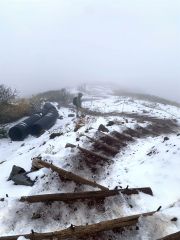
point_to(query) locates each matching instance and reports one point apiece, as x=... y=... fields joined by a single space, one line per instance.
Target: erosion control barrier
x=35 y=124
x=46 y=121
x=20 y=131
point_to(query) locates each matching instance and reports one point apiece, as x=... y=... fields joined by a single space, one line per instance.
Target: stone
x=103 y=128
x=71 y=115
x=110 y=123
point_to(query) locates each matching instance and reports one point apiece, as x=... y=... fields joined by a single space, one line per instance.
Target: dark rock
x=53 y=135
x=22 y=179
x=178 y=134
x=103 y=128
x=16 y=170
x=110 y=123
x=36 y=216
x=70 y=145
x=60 y=117
x=71 y=115
x=166 y=139
x=77 y=139
x=174 y=219
x=145 y=111
x=18 y=176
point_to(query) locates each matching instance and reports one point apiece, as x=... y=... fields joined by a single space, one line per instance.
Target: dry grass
x=13 y=112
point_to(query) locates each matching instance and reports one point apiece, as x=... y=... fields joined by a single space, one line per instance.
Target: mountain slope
x=150 y=160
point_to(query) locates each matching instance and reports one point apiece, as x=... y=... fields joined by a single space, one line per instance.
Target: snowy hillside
x=150 y=158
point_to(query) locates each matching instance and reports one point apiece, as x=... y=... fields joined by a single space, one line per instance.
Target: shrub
x=3 y=132
x=62 y=96
x=7 y=94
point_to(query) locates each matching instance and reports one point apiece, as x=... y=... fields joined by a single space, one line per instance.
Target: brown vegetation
x=13 y=111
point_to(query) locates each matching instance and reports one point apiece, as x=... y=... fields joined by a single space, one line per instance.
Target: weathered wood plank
x=82 y=231
x=71 y=176
x=65 y=197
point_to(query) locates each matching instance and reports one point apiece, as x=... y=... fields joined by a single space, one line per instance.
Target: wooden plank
x=112 y=138
x=174 y=236
x=84 y=230
x=104 y=145
x=123 y=136
x=89 y=152
x=71 y=176
x=96 y=155
x=65 y=197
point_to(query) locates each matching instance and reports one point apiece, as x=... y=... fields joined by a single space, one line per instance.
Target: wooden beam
x=96 y=155
x=84 y=230
x=71 y=176
x=174 y=236
x=123 y=136
x=89 y=152
x=131 y=132
x=112 y=138
x=145 y=130
x=104 y=145
x=65 y=197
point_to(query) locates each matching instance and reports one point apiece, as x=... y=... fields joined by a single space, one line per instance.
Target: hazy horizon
x=132 y=44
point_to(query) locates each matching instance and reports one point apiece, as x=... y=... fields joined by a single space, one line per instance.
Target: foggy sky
x=49 y=44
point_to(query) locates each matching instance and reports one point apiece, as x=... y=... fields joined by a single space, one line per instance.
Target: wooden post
x=83 y=231
x=71 y=176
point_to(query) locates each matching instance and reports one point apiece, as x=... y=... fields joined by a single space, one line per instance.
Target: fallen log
x=65 y=197
x=107 y=147
x=82 y=231
x=71 y=176
x=174 y=236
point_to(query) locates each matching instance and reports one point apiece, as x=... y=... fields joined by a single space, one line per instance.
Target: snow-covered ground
x=147 y=162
